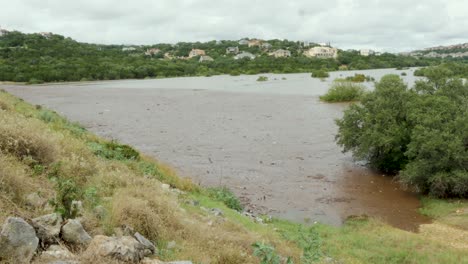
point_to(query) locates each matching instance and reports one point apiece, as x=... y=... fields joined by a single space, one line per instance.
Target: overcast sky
x=390 y=25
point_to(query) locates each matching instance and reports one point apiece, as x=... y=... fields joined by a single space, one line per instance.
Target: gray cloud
x=379 y=24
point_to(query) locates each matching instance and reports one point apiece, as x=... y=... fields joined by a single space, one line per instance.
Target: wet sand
x=271 y=143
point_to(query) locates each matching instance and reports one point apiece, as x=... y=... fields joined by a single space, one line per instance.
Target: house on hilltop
x=128 y=49
x=151 y=52
x=196 y=52
x=232 y=50
x=243 y=42
x=254 y=43
x=205 y=58
x=281 y=53
x=266 y=46
x=3 y=31
x=243 y=55
x=366 y=52
x=46 y=34
x=322 y=52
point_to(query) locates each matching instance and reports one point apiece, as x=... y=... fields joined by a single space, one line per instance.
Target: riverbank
x=131 y=190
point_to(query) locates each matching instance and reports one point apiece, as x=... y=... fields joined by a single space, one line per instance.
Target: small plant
x=404 y=74
x=343 y=92
x=67 y=192
x=262 y=79
x=225 y=196
x=267 y=254
x=320 y=74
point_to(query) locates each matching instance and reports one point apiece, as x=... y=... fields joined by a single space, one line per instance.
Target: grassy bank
x=44 y=154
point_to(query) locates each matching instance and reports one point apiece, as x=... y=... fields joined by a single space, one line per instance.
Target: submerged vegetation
x=420 y=132
x=343 y=91
x=262 y=79
x=320 y=74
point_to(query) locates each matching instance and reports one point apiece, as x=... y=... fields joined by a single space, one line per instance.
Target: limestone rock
x=48 y=228
x=73 y=232
x=33 y=200
x=124 y=248
x=145 y=242
x=55 y=252
x=18 y=240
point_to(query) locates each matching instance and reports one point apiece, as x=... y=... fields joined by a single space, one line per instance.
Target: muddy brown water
x=272 y=142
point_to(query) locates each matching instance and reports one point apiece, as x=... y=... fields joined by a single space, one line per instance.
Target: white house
x=366 y=52
x=243 y=42
x=205 y=58
x=232 y=50
x=281 y=53
x=322 y=52
x=244 y=55
x=128 y=49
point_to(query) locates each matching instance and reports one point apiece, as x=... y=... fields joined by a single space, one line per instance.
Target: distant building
x=3 y=31
x=128 y=49
x=306 y=44
x=46 y=34
x=243 y=55
x=168 y=56
x=205 y=58
x=151 y=52
x=255 y=43
x=281 y=53
x=322 y=52
x=243 y=42
x=366 y=52
x=196 y=52
x=266 y=46
x=232 y=50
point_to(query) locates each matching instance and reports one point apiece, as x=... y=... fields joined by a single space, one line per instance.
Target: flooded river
x=271 y=142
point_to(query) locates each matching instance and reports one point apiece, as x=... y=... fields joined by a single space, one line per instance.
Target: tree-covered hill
x=39 y=58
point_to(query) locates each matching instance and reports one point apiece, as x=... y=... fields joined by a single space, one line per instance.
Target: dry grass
x=27 y=139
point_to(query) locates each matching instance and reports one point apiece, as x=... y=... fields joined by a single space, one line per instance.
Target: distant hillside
x=47 y=57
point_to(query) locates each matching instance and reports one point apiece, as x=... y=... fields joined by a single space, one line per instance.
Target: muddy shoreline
x=271 y=143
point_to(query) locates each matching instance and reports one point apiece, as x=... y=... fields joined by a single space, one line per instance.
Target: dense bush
x=262 y=79
x=343 y=91
x=320 y=74
x=421 y=132
x=114 y=150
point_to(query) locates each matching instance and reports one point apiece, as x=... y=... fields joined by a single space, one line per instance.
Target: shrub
x=343 y=92
x=114 y=150
x=357 y=78
x=35 y=81
x=225 y=196
x=420 y=132
x=404 y=74
x=320 y=74
x=262 y=79
x=67 y=192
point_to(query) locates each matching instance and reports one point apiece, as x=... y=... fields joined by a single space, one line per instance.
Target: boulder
x=57 y=253
x=33 y=200
x=74 y=233
x=124 y=248
x=48 y=228
x=18 y=240
x=145 y=242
